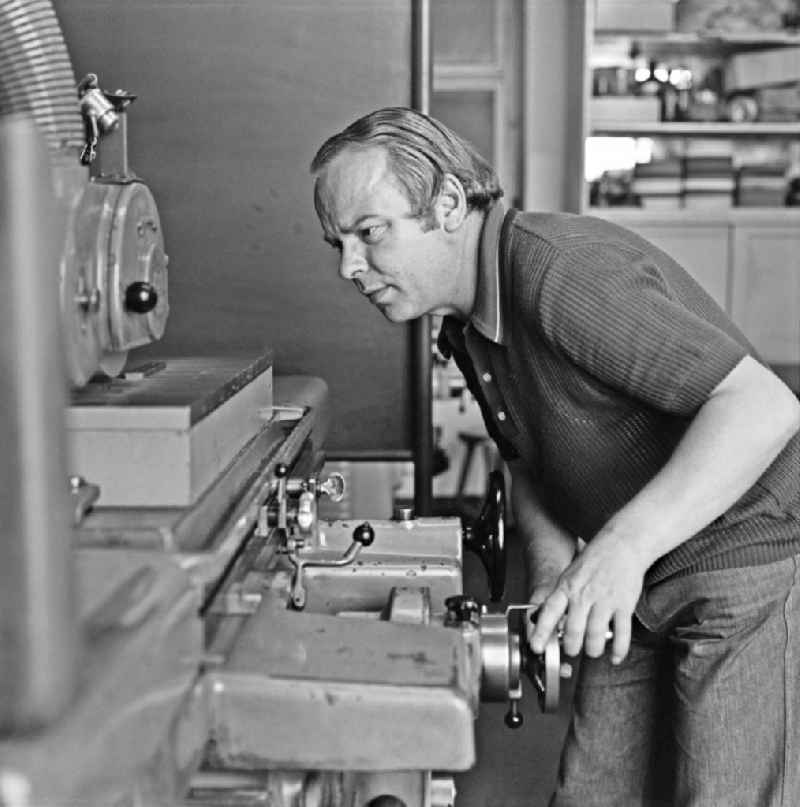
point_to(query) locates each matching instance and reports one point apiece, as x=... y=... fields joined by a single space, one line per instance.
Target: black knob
x=141 y=297
x=281 y=470
x=364 y=534
x=513 y=718
x=486 y=535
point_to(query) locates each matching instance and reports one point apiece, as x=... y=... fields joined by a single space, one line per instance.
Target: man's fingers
x=530 y=619
x=597 y=632
x=622 y=637
x=574 y=629
x=547 y=619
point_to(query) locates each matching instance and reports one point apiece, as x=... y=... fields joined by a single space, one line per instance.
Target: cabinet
x=765 y=288
x=748 y=260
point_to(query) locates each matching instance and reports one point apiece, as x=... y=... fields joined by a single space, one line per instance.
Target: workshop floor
x=515 y=768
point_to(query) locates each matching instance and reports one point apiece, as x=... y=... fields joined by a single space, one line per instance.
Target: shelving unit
x=746 y=257
x=697 y=129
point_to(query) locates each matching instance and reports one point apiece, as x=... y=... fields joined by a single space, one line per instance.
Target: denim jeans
x=705 y=709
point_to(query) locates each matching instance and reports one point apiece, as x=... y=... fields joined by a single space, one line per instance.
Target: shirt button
x=501 y=415
x=487 y=377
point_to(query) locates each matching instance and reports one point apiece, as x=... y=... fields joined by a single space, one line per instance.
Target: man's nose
x=352 y=262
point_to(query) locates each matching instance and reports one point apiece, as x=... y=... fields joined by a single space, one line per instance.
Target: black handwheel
x=486 y=536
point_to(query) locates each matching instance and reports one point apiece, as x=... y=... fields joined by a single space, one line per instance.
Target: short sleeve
x=615 y=315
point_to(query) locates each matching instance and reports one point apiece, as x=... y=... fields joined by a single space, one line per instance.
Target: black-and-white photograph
x=400 y=403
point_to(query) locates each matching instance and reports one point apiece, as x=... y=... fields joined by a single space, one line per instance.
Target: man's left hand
x=597 y=591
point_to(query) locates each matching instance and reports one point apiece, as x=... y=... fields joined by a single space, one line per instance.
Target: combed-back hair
x=421 y=150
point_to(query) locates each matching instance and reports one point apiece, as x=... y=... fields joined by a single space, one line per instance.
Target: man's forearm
x=735 y=436
x=547 y=549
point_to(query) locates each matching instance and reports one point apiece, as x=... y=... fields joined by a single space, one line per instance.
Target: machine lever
x=363 y=535
x=513 y=718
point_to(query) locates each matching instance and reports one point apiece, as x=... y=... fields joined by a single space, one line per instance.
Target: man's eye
x=372 y=234
x=335 y=243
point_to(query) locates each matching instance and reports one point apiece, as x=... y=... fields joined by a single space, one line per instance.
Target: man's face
x=406 y=267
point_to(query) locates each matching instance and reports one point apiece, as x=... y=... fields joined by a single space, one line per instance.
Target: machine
x=178 y=624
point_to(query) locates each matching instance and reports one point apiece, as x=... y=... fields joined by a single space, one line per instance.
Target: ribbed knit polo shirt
x=589 y=351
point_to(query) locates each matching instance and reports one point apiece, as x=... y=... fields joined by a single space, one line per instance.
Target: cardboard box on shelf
x=721 y=17
x=624 y=109
x=634 y=15
x=762 y=68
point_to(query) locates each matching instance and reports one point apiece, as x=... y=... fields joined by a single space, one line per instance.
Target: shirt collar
x=486 y=315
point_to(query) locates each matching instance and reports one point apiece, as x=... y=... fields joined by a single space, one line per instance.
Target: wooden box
x=160 y=441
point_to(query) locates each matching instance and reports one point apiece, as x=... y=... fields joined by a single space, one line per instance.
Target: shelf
x=683 y=44
x=734 y=39
x=775 y=216
x=696 y=129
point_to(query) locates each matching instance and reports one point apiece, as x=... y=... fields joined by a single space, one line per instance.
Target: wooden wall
x=235 y=96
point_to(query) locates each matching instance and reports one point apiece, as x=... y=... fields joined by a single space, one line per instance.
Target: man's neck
x=468 y=258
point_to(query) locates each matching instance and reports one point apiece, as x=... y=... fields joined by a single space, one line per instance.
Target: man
x=638 y=423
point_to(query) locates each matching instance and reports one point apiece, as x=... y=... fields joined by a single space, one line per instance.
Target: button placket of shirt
x=479 y=354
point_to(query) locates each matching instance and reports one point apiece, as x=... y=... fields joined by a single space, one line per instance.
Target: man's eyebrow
x=359 y=222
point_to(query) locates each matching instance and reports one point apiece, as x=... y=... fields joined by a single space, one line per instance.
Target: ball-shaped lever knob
x=513 y=718
x=364 y=534
x=141 y=297
x=281 y=470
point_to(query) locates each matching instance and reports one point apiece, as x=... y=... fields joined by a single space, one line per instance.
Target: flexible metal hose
x=36 y=76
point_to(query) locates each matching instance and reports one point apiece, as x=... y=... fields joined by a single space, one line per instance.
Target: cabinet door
x=765 y=298
x=703 y=250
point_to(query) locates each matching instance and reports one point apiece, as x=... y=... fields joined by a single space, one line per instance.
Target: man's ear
x=451 y=204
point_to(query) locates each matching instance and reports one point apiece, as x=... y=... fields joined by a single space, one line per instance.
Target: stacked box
x=762 y=68
x=624 y=109
x=634 y=15
x=658 y=184
x=762 y=185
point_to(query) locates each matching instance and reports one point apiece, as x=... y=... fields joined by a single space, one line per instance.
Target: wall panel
x=234 y=98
